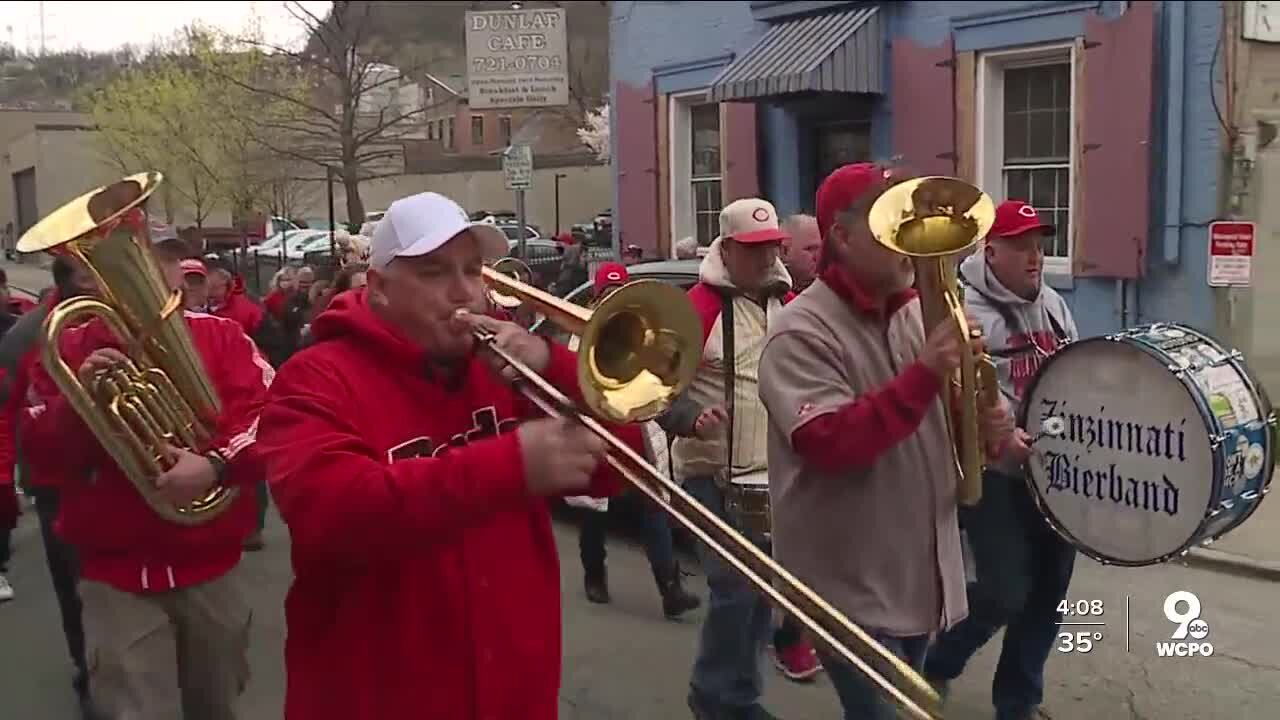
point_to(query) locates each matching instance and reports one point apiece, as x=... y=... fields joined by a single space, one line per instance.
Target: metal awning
x=833 y=52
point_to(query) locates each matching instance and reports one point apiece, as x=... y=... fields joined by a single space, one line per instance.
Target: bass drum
x=1152 y=441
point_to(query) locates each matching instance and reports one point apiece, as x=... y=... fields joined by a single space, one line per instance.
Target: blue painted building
x=1099 y=113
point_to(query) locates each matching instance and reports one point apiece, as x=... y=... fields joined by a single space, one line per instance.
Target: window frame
x=477 y=133
x=989 y=129
x=683 y=220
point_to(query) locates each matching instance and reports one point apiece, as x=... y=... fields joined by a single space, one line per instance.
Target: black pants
x=64 y=570
x=6 y=549
x=1024 y=570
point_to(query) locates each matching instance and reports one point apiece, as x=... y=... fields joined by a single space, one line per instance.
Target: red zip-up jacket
x=120 y=539
x=419 y=558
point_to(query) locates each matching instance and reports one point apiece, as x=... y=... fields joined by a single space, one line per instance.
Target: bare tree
x=331 y=112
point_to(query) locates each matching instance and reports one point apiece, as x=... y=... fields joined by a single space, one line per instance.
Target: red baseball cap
x=845 y=186
x=751 y=220
x=611 y=273
x=192 y=266
x=1014 y=218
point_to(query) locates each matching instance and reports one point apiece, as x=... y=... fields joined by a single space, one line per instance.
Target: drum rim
x=1128 y=337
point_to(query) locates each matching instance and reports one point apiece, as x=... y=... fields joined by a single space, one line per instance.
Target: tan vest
x=880 y=543
x=694 y=456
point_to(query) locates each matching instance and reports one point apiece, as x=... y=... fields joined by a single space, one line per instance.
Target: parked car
x=289 y=239
x=512 y=231
x=271 y=245
x=681 y=273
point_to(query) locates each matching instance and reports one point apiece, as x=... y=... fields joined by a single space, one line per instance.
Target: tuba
x=162 y=394
x=933 y=220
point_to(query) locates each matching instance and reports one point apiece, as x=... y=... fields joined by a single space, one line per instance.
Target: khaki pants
x=180 y=655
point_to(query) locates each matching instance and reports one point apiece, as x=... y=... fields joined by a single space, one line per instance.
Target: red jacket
x=418 y=556
x=121 y=541
x=240 y=308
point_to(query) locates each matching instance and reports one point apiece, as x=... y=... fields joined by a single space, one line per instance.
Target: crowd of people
x=412 y=473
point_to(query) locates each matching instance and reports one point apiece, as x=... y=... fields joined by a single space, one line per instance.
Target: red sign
x=1231 y=247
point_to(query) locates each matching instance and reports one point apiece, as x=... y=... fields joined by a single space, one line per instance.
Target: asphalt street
x=625 y=661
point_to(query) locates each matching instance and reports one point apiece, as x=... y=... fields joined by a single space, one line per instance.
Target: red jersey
x=120 y=539
x=417 y=551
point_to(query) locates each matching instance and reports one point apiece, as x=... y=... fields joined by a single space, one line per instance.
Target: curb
x=1233 y=564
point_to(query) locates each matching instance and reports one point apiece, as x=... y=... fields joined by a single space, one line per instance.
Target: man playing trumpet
x=862 y=476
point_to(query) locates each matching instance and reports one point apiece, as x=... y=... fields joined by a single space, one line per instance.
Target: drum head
x=1131 y=476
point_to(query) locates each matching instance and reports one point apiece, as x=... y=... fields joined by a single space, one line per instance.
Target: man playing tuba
x=166 y=619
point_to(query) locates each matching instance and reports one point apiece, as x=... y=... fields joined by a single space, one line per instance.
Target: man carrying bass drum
x=862 y=474
x=415 y=479
x=1023 y=567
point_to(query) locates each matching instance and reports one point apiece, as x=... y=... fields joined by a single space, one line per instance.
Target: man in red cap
x=1023 y=568
x=862 y=472
x=657 y=529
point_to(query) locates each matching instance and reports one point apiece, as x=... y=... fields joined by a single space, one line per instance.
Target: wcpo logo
x=1189 y=638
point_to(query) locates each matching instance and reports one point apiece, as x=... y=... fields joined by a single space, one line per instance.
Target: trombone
x=639 y=349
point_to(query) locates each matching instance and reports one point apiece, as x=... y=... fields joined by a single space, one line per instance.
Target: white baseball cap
x=162 y=232
x=422 y=223
x=751 y=220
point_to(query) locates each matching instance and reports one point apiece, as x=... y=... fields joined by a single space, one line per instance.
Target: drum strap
x=730 y=354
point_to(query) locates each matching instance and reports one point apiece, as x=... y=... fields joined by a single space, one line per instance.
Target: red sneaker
x=798 y=662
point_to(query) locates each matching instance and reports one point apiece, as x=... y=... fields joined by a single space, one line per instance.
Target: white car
x=289 y=239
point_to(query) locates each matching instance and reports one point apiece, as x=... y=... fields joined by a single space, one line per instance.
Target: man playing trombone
x=413 y=480
x=861 y=469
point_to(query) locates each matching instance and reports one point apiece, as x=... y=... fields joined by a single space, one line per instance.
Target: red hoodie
x=237 y=306
x=418 y=555
x=121 y=541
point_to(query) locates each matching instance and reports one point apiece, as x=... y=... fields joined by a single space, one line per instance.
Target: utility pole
x=41 y=28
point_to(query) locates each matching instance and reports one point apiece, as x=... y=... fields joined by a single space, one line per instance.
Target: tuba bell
x=934 y=220
x=162 y=394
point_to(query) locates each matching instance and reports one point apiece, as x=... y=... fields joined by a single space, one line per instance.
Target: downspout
x=1173 y=124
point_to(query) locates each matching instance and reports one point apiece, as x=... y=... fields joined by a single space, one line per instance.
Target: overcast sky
x=106 y=25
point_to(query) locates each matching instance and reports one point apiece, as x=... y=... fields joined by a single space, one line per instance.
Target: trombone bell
x=639 y=348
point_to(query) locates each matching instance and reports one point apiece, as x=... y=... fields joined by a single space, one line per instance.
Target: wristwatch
x=219 y=465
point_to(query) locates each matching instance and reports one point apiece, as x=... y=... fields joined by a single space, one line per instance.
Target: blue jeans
x=860 y=698
x=658 y=545
x=738 y=623
x=1023 y=571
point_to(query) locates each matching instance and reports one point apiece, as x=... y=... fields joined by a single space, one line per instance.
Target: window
x=477 y=129
x=431 y=130
x=695 y=169
x=448 y=133
x=1027 y=139
x=504 y=129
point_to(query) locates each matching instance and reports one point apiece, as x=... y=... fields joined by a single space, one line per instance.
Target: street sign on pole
x=517 y=59
x=1231 y=249
x=517 y=167
x=517 y=173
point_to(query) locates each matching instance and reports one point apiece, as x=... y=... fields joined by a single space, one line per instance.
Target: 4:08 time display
x=1075 y=608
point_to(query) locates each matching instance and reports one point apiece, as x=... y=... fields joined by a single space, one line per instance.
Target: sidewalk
x=1251 y=549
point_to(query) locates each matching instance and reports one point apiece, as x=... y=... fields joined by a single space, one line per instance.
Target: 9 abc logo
x=1190 y=625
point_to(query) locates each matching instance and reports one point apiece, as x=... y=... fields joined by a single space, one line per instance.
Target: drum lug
x=1249 y=495
x=1215 y=441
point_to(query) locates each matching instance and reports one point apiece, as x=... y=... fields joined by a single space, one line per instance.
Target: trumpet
x=640 y=348
x=933 y=220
